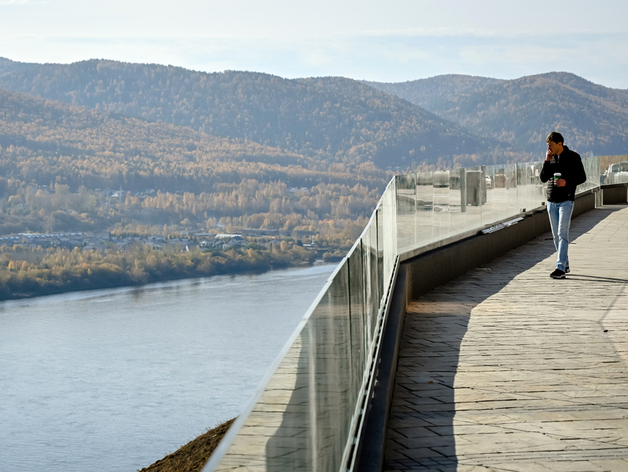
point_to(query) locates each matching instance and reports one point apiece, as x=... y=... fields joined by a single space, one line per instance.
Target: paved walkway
x=506 y=369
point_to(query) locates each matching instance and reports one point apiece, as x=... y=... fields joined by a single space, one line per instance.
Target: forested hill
x=593 y=118
x=47 y=141
x=333 y=119
x=434 y=92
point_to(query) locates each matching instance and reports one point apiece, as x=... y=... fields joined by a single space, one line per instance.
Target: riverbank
x=193 y=456
x=80 y=284
x=60 y=271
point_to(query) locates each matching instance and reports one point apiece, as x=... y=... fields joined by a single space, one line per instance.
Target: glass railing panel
x=536 y=193
x=379 y=221
x=321 y=399
x=623 y=177
x=496 y=206
x=457 y=185
x=512 y=192
x=424 y=222
x=388 y=233
x=614 y=169
x=521 y=179
x=610 y=169
x=359 y=337
x=440 y=208
x=406 y=211
x=473 y=195
x=302 y=420
x=502 y=196
x=373 y=289
x=592 y=168
x=370 y=276
x=527 y=180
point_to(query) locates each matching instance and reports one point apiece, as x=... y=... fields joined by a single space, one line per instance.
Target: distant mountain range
x=441 y=121
x=333 y=119
x=592 y=118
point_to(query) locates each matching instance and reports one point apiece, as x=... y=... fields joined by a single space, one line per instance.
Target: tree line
x=26 y=273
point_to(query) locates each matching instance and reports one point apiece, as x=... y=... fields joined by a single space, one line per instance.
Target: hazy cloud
x=21 y=2
x=439 y=32
x=398 y=41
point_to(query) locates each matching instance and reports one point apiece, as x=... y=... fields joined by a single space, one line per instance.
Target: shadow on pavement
x=420 y=432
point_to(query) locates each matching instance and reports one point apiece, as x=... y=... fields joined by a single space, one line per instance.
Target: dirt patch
x=194 y=455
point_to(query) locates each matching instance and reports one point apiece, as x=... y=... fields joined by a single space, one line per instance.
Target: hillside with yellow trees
x=65 y=168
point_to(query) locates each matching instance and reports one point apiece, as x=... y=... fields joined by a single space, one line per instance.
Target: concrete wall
x=613 y=194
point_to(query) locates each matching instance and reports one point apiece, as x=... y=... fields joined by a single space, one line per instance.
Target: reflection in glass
x=611 y=169
x=592 y=168
x=389 y=230
x=440 y=208
x=379 y=221
x=424 y=208
x=473 y=195
x=358 y=337
x=406 y=210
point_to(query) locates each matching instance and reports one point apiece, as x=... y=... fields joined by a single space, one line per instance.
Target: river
x=113 y=380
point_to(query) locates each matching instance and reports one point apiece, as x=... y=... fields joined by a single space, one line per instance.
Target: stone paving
x=506 y=369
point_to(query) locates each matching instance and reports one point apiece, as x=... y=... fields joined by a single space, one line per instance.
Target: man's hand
x=548 y=155
x=560 y=182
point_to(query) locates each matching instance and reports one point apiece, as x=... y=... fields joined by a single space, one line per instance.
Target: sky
x=386 y=41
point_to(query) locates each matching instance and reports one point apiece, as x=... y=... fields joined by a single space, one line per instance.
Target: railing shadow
x=420 y=434
x=599 y=279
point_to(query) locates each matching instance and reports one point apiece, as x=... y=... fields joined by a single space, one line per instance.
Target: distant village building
x=98 y=235
x=100 y=240
x=123 y=245
x=34 y=240
x=204 y=235
x=274 y=242
x=228 y=236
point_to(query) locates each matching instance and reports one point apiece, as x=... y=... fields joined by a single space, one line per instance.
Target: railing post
x=463 y=190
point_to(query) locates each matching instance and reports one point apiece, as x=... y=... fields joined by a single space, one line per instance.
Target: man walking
x=563 y=172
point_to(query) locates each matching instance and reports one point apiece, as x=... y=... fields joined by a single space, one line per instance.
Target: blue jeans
x=560 y=219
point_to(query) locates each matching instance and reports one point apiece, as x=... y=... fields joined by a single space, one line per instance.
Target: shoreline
x=111 y=284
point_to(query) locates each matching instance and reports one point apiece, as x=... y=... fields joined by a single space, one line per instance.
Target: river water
x=113 y=380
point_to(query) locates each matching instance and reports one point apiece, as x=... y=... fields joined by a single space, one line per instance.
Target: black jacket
x=570 y=166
